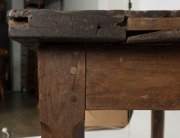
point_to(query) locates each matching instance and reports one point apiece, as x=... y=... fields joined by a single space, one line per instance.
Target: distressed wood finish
x=32 y=27
x=155 y=37
x=139 y=24
x=120 y=73
x=152 y=14
x=80 y=26
x=157 y=130
x=62 y=91
x=133 y=77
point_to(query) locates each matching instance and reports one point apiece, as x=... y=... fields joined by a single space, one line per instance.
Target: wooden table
x=99 y=60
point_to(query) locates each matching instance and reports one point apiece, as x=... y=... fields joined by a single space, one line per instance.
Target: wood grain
x=61 y=91
x=149 y=24
x=133 y=77
x=157 y=123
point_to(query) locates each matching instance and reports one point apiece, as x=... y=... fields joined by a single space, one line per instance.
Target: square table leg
x=61 y=76
x=157 y=124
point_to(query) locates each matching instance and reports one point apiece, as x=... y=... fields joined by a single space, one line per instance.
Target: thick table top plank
x=80 y=26
x=140 y=24
x=37 y=26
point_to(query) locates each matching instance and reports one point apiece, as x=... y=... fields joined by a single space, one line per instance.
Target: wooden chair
x=3 y=71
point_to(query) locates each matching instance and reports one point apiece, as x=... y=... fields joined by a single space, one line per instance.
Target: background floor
x=20 y=115
x=140 y=127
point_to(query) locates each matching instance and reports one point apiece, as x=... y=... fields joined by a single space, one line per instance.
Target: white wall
x=16 y=55
x=98 y=5
x=117 y=4
x=102 y=4
x=158 y=4
x=95 y=4
x=140 y=4
x=80 y=5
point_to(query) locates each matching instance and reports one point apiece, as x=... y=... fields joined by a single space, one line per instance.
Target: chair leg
x=157 y=124
x=2 y=90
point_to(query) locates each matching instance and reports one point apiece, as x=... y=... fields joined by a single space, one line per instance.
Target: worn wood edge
x=153 y=13
x=15 y=13
x=96 y=26
x=156 y=37
x=23 y=25
x=118 y=106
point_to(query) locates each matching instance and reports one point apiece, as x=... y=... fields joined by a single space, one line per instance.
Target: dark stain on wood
x=76 y=26
x=89 y=26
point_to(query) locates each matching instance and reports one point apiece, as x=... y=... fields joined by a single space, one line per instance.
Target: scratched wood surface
x=133 y=77
x=77 y=26
x=117 y=26
x=61 y=91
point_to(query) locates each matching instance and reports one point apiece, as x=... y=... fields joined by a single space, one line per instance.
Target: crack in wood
x=123 y=23
x=98 y=29
x=76 y=72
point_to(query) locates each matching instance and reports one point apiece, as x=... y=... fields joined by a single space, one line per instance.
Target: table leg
x=61 y=76
x=157 y=124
